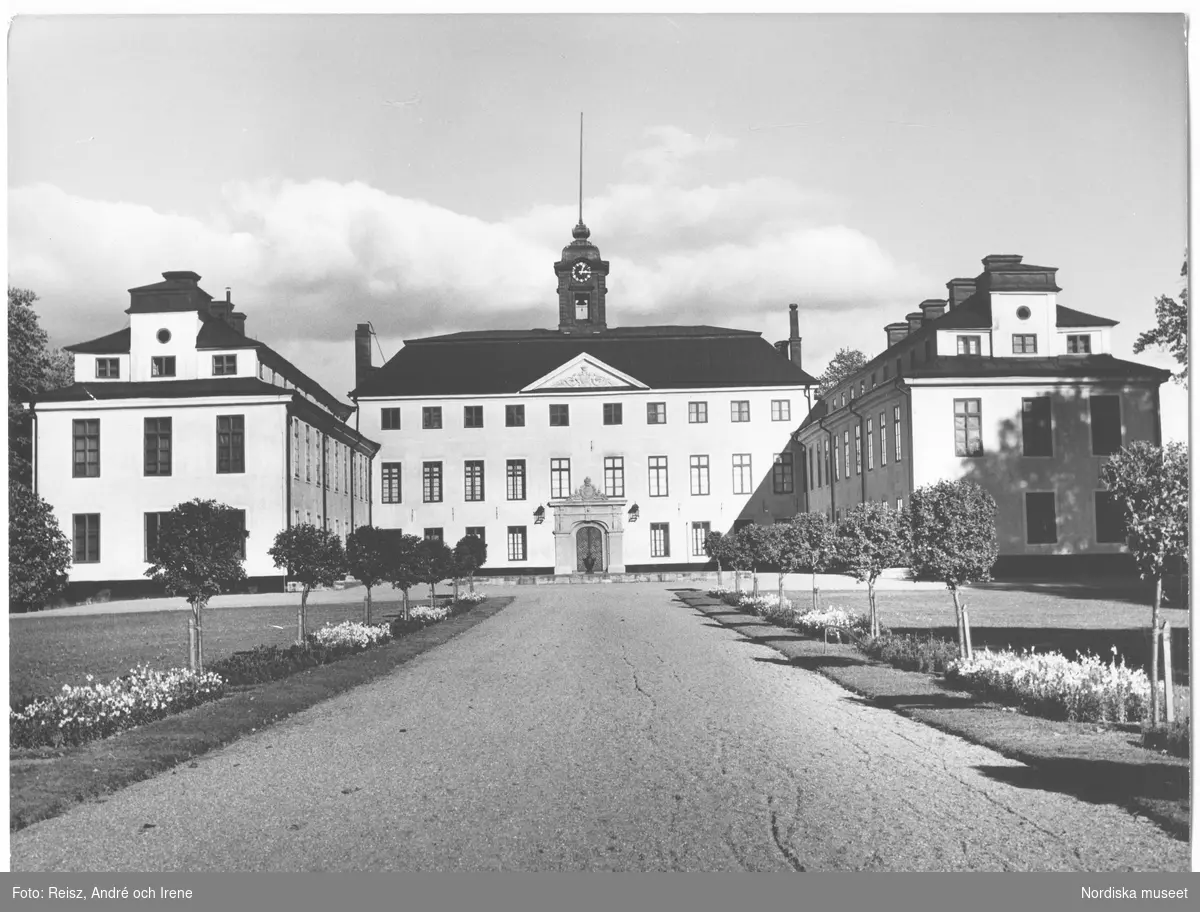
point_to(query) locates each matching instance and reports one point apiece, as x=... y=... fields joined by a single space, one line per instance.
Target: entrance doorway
x=589 y=550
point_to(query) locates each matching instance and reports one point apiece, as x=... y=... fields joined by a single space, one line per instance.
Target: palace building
x=1000 y=384
x=182 y=404
x=587 y=448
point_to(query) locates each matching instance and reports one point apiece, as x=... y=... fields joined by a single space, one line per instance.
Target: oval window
x=164 y=335
x=1022 y=313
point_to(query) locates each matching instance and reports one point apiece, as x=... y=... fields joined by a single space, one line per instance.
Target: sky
x=422 y=172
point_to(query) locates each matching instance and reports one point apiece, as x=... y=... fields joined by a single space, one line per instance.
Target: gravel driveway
x=595 y=728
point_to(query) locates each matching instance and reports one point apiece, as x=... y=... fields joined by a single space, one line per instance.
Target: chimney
x=895 y=332
x=915 y=319
x=794 y=339
x=237 y=321
x=933 y=308
x=782 y=347
x=362 y=354
x=959 y=290
x=184 y=277
x=228 y=292
x=994 y=261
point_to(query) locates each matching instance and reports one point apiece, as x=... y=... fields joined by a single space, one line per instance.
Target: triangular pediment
x=584 y=371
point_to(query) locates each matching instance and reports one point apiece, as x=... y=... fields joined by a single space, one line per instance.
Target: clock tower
x=582 y=278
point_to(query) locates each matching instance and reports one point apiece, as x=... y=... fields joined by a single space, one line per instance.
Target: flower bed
x=837 y=621
x=80 y=714
x=471 y=598
x=911 y=653
x=1050 y=684
x=349 y=633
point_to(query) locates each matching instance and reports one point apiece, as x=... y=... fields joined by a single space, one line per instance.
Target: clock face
x=581 y=272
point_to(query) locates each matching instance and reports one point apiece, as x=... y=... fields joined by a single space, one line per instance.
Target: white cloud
x=309 y=260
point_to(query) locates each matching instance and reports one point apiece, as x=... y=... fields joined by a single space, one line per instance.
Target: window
x=389 y=488
x=1023 y=313
x=858 y=449
x=241 y=523
x=560 y=416
x=560 y=478
x=697 y=413
x=86 y=436
x=516 y=543
x=781 y=409
x=472 y=416
x=700 y=531
x=1106 y=424
x=1079 y=345
x=883 y=438
x=231 y=444
x=224 y=365
x=870 y=444
x=157 y=446
x=431 y=417
x=478 y=531
x=108 y=368
x=612 y=413
x=810 y=466
x=514 y=416
x=1024 y=344
x=163 y=336
x=389 y=419
x=1041 y=524
x=163 y=366
x=896 y=430
x=656 y=413
x=658 y=476
x=614 y=476
x=87 y=538
x=846 y=454
x=742 y=478
x=154 y=525
x=660 y=540
x=837 y=465
x=435 y=533
x=739 y=410
x=296 y=448
x=820 y=469
x=783 y=480
x=969 y=345
x=968 y=428
x=1036 y=430
x=515 y=474
x=431 y=482
x=1110 y=519
x=899 y=503
x=473 y=480
x=699 y=475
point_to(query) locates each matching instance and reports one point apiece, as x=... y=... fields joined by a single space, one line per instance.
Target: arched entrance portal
x=589 y=550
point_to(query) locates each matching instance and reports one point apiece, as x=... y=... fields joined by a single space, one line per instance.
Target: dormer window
x=162 y=366
x=1024 y=344
x=969 y=345
x=224 y=365
x=108 y=368
x=1079 y=345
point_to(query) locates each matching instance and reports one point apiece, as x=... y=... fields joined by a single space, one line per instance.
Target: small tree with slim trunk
x=714 y=547
x=367 y=560
x=815 y=537
x=434 y=562
x=953 y=529
x=790 y=551
x=469 y=555
x=198 y=555
x=1151 y=485
x=870 y=539
x=312 y=557
x=740 y=556
x=402 y=565
x=760 y=547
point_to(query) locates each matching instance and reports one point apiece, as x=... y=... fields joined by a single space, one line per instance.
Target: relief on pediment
x=585 y=376
x=587 y=493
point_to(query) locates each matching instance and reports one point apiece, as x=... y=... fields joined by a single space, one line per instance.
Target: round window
x=1022 y=313
x=164 y=335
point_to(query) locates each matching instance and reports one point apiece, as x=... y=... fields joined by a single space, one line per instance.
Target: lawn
x=1034 y=615
x=47 y=652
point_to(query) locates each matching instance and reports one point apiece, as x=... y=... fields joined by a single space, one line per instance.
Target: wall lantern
x=633 y=513
x=539 y=515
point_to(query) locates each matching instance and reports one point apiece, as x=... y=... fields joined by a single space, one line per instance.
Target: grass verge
x=46 y=782
x=1099 y=764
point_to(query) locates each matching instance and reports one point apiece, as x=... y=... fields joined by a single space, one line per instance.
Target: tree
x=714 y=547
x=759 y=545
x=815 y=537
x=1151 y=485
x=38 y=552
x=403 y=551
x=198 y=555
x=870 y=539
x=740 y=555
x=1172 y=329
x=469 y=555
x=845 y=363
x=367 y=560
x=312 y=557
x=953 y=529
x=434 y=562
x=33 y=367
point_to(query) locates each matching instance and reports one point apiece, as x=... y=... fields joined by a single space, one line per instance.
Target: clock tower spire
x=582 y=275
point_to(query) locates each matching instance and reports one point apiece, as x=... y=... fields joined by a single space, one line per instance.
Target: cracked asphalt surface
x=595 y=728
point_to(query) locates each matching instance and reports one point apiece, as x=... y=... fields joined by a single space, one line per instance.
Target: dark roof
x=1068 y=317
x=113 y=344
x=662 y=357
x=216 y=333
x=1067 y=366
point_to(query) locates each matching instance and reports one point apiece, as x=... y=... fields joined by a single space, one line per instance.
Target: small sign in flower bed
x=1052 y=685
